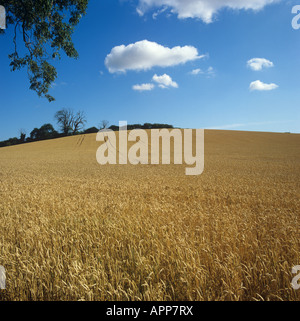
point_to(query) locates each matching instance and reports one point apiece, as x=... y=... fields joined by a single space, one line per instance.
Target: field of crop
x=71 y=229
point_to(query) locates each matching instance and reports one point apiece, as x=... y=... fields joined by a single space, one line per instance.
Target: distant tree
x=134 y=126
x=64 y=120
x=103 y=124
x=45 y=28
x=69 y=122
x=12 y=141
x=47 y=131
x=22 y=135
x=91 y=130
x=78 y=121
x=159 y=126
x=34 y=135
x=147 y=126
x=114 y=128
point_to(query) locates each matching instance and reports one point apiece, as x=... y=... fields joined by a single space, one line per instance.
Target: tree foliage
x=91 y=130
x=45 y=27
x=145 y=126
x=45 y=132
x=22 y=135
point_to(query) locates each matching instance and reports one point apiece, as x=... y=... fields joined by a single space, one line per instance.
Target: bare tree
x=78 y=121
x=103 y=124
x=64 y=120
x=69 y=122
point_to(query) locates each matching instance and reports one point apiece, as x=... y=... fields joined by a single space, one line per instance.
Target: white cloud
x=144 y=55
x=140 y=12
x=197 y=72
x=258 y=85
x=210 y=72
x=157 y=13
x=143 y=87
x=164 y=81
x=259 y=63
x=55 y=84
x=203 y=9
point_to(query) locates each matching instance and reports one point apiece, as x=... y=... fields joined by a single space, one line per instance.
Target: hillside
x=72 y=229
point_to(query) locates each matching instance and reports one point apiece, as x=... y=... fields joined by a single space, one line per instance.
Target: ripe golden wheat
x=71 y=229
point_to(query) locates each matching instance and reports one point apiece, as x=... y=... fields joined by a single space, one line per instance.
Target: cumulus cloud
x=259 y=63
x=164 y=81
x=144 y=55
x=143 y=87
x=203 y=9
x=260 y=86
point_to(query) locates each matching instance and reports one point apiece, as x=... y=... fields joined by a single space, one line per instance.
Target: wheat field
x=71 y=229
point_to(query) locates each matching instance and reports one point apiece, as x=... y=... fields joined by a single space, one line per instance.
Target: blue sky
x=206 y=80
